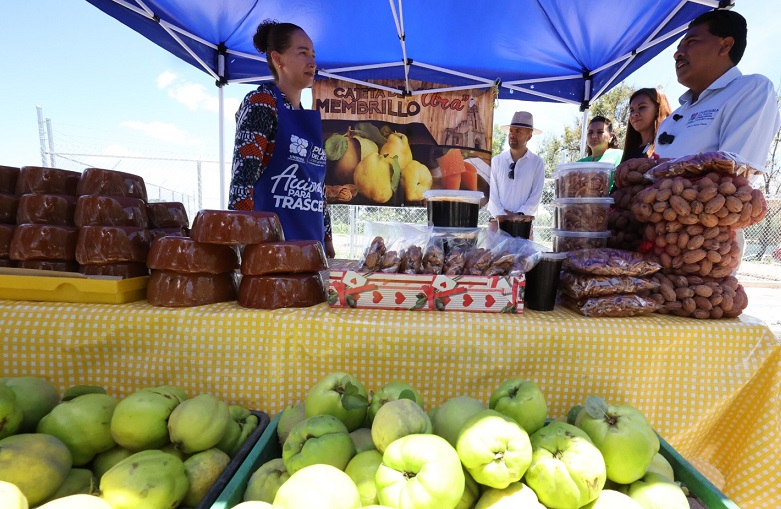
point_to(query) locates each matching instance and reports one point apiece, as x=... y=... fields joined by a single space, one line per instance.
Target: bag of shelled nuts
x=608 y=283
x=725 y=163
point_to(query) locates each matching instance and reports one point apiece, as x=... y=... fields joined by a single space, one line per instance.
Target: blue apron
x=292 y=183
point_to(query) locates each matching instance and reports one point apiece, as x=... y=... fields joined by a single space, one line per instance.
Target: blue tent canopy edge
x=536 y=50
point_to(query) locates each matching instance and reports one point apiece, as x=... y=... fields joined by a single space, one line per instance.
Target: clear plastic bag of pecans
x=699 y=297
x=629 y=178
x=579 y=286
x=690 y=231
x=692 y=249
x=724 y=163
x=467 y=251
x=713 y=200
x=632 y=172
x=612 y=306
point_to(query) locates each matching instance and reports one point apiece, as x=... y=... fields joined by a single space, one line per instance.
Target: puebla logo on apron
x=288 y=189
x=293 y=183
x=299 y=151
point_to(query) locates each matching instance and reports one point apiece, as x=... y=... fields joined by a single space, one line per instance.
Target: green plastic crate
x=238 y=461
x=268 y=448
x=707 y=494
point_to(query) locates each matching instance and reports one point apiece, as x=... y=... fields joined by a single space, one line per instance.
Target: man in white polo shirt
x=723 y=109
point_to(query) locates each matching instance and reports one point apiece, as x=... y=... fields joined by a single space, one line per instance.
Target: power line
x=136 y=157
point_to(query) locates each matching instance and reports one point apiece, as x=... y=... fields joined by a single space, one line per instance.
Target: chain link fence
x=761 y=258
x=348 y=222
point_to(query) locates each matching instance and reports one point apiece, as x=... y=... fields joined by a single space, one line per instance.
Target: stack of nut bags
x=188 y=273
x=113 y=237
x=626 y=232
x=581 y=206
x=691 y=213
x=167 y=218
x=45 y=235
x=9 y=202
x=282 y=275
x=607 y=282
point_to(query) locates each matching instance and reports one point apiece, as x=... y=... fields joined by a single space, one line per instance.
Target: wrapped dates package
x=426 y=269
x=426 y=292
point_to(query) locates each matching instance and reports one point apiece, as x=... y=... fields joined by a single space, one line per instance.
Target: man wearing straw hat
x=517 y=174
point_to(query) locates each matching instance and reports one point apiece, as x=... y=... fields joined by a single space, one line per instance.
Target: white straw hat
x=522 y=119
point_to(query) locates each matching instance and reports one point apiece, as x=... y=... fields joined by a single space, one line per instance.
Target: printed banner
x=387 y=149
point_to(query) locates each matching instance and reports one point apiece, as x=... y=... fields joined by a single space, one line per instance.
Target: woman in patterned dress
x=278 y=157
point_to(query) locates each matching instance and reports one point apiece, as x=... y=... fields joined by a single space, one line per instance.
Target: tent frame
x=397 y=9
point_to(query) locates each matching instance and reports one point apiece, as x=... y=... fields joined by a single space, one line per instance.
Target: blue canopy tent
x=536 y=50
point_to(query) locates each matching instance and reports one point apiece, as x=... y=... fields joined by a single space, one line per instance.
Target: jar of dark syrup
x=453 y=209
x=516 y=225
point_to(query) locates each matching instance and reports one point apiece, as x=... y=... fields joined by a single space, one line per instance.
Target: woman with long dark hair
x=601 y=142
x=647 y=108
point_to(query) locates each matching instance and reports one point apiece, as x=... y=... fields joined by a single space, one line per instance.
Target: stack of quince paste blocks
x=96 y=222
x=691 y=214
x=42 y=208
x=202 y=269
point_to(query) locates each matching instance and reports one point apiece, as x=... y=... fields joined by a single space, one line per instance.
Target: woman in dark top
x=278 y=157
x=647 y=108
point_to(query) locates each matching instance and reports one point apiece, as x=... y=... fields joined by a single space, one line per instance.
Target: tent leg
x=583 y=133
x=220 y=123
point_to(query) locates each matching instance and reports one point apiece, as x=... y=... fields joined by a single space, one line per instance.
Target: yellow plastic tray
x=73 y=289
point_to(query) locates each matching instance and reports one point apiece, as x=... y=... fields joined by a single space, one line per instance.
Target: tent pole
x=584 y=107
x=221 y=121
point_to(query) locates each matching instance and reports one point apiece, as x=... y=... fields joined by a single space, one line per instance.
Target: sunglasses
x=512 y=171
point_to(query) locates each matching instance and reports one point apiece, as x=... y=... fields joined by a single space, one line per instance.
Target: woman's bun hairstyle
x=260 y=39
x=271 y=36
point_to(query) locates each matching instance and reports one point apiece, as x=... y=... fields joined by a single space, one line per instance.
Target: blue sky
x=107 y=90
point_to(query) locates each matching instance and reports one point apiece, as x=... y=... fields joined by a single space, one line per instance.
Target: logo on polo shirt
x=703 y=117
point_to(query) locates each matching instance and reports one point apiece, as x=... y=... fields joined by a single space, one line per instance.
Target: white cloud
x=166 y=132
x=165 y=79
x=193 y=95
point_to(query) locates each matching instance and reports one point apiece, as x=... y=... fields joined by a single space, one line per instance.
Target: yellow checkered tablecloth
x=711 y=388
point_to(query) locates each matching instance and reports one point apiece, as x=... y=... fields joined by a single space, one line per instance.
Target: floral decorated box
x=428 y=292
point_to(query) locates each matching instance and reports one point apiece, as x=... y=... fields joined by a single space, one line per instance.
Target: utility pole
x=41 y=135
x=51 y=142
x=200 y=187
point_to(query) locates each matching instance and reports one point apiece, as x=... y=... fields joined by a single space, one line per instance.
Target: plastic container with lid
x=516 y=225
x=571 y=240
x=453 y=209
x=542 y=282
x=583 y=180
x=581 y=214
